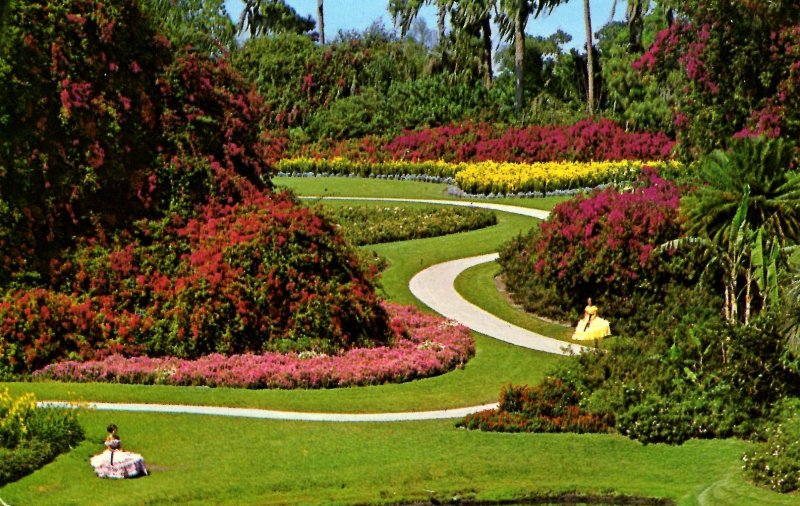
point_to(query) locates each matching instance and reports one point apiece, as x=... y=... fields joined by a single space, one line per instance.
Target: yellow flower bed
x=499 y=177
x=489 y=177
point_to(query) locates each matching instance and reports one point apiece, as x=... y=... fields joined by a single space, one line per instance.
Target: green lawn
x=227 y=461
x=218 y=460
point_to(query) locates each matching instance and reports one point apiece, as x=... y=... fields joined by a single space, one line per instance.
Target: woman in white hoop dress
x=115 y=463
x=591 y=327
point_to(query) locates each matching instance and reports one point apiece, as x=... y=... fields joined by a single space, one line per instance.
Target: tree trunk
x=635 y=15
x=519 y=58
x=321 y=21
x=747 y=296
x=587 y=18
x=440 y=22
x=486 y=29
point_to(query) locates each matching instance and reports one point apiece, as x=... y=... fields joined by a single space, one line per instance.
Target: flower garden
x=151 y=251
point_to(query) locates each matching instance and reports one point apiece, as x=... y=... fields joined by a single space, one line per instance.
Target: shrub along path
x=434 y=287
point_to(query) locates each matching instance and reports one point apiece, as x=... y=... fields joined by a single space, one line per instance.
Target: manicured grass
x=383 y=188
x=478 y=287
x=228 y=461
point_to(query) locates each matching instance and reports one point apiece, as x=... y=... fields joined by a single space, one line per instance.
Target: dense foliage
x=600 y=246
x=776 y=462
x=105 y=125
x=30 y=436
x=738 y=64
x=375 y=225
x=136 y=214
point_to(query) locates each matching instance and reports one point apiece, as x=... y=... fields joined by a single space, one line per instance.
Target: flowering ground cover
x=424 y=346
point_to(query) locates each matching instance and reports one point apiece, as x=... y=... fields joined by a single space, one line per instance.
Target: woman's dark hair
x=111 y=428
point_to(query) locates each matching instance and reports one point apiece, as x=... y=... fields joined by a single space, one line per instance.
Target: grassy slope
x=202 y=460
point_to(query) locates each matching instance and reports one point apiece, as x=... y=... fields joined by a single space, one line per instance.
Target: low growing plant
x=30 y=436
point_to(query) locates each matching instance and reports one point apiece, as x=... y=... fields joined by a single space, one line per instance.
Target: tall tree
x=268 y=17
x=587 y=19
x=512 y=18
x=321 y=21
x=202 y=24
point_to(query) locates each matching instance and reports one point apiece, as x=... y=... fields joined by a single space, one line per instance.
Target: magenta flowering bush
x=586 y=140
x=424 y=346
x=600 y=246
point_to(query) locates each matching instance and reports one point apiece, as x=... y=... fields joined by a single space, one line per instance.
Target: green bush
x=776 y=463
x=30 y=436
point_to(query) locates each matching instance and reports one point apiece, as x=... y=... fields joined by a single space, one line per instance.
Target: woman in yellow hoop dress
x=591 y=327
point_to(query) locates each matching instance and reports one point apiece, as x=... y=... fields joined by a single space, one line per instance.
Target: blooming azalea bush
x=554 y=406
x=105 y=124
x=599 y=246
x=423 y=346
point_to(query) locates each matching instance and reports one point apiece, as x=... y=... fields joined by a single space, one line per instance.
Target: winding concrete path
x=434 y=287
x=269 y=414
x=525 y=211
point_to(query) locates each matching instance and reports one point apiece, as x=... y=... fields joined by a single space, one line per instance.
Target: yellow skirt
x=598 y=329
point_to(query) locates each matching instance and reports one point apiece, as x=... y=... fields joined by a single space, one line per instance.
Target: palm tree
x=746 y=210
x=634 y=15
x=587 y=19
x=763 y=166
x=321 y=21
x=266 y=17
x=512 y=18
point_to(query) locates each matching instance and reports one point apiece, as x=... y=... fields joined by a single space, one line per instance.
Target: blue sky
x=359 y=14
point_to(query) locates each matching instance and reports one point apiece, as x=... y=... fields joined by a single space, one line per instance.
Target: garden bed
x=424 y=346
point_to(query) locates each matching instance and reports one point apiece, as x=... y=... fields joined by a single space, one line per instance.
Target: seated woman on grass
x=115 y=463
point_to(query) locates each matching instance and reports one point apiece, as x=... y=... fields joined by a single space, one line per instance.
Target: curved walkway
x=269 y=414
x=434 y=287
x=525 y=211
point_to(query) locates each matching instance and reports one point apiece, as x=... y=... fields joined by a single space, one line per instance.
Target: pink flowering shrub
x=424 y=346
x=598 y=246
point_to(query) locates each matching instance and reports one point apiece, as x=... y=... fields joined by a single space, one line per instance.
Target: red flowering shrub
x=38 y=326
x=104 y=125
x=583 y=141
x=79 y=119
x=263 y=275
x=597 y=246
x=424 y=346
x=551 y=407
